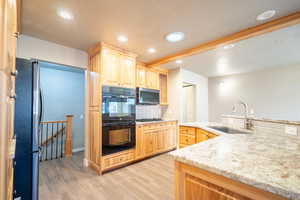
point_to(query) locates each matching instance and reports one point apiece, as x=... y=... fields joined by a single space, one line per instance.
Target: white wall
x=201 y=84
x=272 y=93
x=175 y=79
x=30 y=47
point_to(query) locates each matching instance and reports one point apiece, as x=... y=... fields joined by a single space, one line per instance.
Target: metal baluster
x=57 y=133
x=51 y=141
x=46 y=156
x=41 y=136
x=61 y=140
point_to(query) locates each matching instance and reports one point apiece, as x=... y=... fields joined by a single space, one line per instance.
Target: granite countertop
x=268 y=162
x=151 y=122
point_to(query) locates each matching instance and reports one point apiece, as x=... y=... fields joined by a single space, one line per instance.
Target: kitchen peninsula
x=239 y=166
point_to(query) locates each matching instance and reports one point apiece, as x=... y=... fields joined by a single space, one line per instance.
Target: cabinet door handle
x=16 y=34
x=15 y=73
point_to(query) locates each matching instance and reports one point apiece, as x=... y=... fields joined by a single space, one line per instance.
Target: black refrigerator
x=27 y=120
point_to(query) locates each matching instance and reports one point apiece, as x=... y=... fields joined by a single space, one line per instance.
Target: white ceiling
x=276 y=49
x=144 y=22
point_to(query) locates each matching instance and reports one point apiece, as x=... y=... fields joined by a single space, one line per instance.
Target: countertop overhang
x=267 y=161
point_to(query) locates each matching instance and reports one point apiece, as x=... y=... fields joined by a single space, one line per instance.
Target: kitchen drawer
x=187 y=130
x=187 y=139
x=211 y=135
x=113 y=161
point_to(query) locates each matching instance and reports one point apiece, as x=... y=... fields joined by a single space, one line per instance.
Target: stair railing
x=55 y=139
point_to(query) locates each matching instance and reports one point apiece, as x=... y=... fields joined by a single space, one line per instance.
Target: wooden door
x=140 y=76
x=139 y=151
x=110 y=67
x=161 y=139
x=127 y=75
x=149 y=142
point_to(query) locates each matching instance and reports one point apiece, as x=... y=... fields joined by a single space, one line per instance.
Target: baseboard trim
x=78 y=150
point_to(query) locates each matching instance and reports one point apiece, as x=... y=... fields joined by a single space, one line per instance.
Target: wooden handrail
x=69 y=136
x=53 y=122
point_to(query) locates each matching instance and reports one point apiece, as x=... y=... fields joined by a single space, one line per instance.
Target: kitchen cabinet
x=110 y=67
x=149 y=140
x=163 y=87
x=127 y=72
x=118 y=159
x=8 y=40
x=155 y=138
x=152 y=79
x=117 y=67
x=191 y=135
x=140 y=76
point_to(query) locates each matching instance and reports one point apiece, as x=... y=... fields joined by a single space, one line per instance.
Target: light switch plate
x=291 y=130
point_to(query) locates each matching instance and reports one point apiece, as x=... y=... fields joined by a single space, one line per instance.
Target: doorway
x=188 y=102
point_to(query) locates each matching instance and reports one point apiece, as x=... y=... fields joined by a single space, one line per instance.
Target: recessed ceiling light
x=65 y=14
x=178 y=61
x=175 y=37
x=122 y=38
x=151 y=50
x=229 y=46
x=266 y=15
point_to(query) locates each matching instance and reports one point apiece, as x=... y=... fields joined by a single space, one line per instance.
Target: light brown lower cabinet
x=192 y=135
x=151 y=139
x=193 y=183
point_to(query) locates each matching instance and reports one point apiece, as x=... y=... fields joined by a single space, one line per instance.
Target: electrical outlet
x=291 y=130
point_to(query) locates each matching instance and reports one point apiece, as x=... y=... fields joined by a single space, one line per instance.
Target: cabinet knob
x=15 y=73
x=16 y=34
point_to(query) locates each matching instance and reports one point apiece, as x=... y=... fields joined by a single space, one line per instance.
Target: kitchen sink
x=228 y=130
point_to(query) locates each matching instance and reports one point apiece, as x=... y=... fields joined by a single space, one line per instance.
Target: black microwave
x=148 y=96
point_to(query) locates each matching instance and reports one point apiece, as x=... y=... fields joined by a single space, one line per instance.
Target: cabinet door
x=110 y=67
x=163 y=87
x=95 y=139
x=94 y=89
x=127 y=75
x=171 y=137
x=160 y=143
x=140 y=76
x=149 y=143
x=201 y=136
x=139 y=153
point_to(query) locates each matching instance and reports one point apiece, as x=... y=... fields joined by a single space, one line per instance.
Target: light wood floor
x=67 y=179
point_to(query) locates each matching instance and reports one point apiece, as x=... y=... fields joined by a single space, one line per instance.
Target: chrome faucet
x=247 y=121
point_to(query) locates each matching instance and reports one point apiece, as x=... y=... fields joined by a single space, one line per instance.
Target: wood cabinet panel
x=163 y=87
x=127 y=75
x=110 y=67
x=193 y=183
x=139 y=151
x=140 y=76
x=94 y=89
x=187 y=139
x=152 y=79
x=201 y=136
x=111 y=161
x=149 y=142
x=95 y=139
x=187 y=130
x=161 y=140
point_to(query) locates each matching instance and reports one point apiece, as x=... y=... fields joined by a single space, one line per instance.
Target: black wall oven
x=118 y=119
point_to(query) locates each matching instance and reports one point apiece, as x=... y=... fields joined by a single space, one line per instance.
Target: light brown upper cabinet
x=140 y=75
x=152 y=79
x=117 y=67
x=163 y=86
x=127 y=75
x=110 y=67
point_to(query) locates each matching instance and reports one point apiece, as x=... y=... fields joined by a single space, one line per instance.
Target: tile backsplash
x=148 y=111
